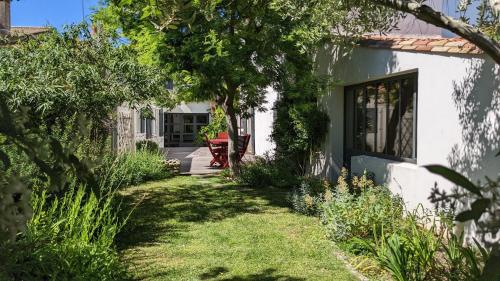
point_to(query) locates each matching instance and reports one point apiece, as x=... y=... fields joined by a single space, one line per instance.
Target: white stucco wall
x=263 y=122
x=458 y=117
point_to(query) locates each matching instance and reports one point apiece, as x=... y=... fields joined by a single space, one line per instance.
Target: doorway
x=181 y=129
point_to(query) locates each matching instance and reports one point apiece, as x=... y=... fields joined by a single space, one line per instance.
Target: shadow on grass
x=165 y=208
x=265 y=275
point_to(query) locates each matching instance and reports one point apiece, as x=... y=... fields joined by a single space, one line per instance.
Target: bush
x=217 y=125
x=265 y=172
x=68 y=238
x=365 y=215
x=131 y=168
x=147 y=145
x=423 y=247
x=310 y=196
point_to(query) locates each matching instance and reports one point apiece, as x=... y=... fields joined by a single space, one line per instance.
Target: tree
x=488 y=20
x=65 y=78
x=231 y=51
x=58 y=91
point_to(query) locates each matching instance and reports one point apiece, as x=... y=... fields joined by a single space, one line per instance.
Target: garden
x=73 y=207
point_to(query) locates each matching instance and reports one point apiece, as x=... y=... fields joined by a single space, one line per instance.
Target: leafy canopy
x=216 y=48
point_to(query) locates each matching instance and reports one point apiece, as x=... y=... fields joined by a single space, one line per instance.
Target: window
x=380 y=118
x=142 y=122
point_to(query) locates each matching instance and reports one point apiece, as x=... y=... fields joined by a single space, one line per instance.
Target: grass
x=201 y=228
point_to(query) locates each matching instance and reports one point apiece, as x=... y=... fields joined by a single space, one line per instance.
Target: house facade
x=415 y=97
x=180 y=126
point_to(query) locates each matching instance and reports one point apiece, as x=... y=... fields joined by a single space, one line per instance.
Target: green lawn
x=194 y=228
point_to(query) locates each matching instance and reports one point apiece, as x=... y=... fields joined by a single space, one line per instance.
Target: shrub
x=217 y=125
x=265 y=172
x=462 y=262
x=148 y=145
x=68 y=238
x=131 y=168
x=310 y=196
x=348 y=215
x=410 y=252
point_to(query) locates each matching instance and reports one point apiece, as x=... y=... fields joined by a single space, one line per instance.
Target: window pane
x=349 y=118
x=199 y=127
x=176 y=118
x=203 y=119
x=406 y=122
x=393 y=122
x=359 y=139
x=188 y=119
x=176 y=128
x=187 y=138
x=370 y=118
x=382 y=98
x=188 y=128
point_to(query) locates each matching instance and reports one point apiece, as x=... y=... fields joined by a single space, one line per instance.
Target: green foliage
x=346 y=215
x=217 y=125
x=131 y=168
x=58 y=94
x=309 y=197
x=412 y=251
x=463 y=263
x=422 y=247
x=86 y=78
x=68 y=238
x=147 y=145
x=298 y=131
x=25 y=147
x=264 y=172
x=480 y=205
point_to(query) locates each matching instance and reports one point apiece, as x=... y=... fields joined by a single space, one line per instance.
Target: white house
x=179 y=127
x=417 y=96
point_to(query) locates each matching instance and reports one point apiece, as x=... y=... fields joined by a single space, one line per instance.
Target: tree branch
x=429 y=15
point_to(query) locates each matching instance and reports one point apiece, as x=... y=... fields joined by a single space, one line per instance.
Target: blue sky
x=50 y=12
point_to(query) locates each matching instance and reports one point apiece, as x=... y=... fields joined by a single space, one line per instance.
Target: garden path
x=203 y=228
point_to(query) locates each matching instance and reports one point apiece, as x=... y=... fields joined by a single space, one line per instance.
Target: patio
x=195 y=160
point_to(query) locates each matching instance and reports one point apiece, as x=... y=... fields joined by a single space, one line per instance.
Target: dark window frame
x=351 y=105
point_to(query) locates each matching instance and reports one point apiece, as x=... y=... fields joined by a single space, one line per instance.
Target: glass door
x=181 y=129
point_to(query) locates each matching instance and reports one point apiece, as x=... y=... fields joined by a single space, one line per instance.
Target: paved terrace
x=195 y=160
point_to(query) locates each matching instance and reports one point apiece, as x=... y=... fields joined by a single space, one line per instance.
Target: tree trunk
x=429 y=15
x=232 y=128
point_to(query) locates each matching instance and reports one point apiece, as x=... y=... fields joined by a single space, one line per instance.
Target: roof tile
x=456 y=45
x=438 y=43
x=440 y=49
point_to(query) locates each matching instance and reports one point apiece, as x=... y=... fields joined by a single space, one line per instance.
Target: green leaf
x=454 y=177
x=477 y=209
x=491 y=270
x=5 y=159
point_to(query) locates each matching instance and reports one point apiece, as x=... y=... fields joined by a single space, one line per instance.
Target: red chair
x=217 y=154
x=243 y=142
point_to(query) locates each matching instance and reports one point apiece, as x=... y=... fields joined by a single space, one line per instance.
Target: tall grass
x=71 y=236
x=68 y=238
x=133 y=168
